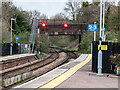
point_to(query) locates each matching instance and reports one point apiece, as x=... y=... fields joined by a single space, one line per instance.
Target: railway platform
x=75 y=74
x=4 y=58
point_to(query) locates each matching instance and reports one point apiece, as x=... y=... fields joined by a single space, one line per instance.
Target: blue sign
x=102 y=29
x=16 y=38
x=92 y=27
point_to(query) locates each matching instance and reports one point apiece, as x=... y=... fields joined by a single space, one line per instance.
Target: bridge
x=56 y=27
x=60 y=27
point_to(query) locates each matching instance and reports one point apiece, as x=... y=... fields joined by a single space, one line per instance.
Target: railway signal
x=43 y=25
x=65 y=25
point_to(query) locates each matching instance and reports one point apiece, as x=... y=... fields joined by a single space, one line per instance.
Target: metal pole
x=48 y=40
x=91 y=47
x=100 y=52
x=38 y=38
x=103 y=39
x=94 y=33
x=100 y=17
x=11 y=39
x=100 y=59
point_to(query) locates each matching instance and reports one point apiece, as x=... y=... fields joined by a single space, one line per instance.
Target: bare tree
x=35 y=14
x=72 y=7
x=43 y=16
x=59 y=16
x=7 y=13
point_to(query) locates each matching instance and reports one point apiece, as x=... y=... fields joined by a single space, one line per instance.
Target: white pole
x=103 y=19
x=100 y=52
x=100 y=17
x=94 y=33
x=91 y=47
x=11 y=39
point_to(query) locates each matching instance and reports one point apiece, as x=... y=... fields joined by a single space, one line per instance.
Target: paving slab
x=41 y=80
x=82 y=79
x=71 y=64
x=81 y=58
x=46 y=78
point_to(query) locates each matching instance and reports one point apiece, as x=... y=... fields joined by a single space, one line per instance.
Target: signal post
x=38 y=39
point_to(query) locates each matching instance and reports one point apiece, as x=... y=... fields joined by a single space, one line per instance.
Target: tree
x=59 y=16
x=85 y=4
x=35 y=14
x=89 y=14
x=96 y=2
x=43 y=16
x=7 y=13
x=0 y=23
x=72 y=8
x=22 y=23
x=119 y=21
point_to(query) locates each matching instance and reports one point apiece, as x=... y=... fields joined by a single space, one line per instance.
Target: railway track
x=27 y=67
x=27 y=70
x=71 y=54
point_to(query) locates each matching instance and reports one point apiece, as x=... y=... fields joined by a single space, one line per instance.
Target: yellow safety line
x=12 y=56
x=55 y=82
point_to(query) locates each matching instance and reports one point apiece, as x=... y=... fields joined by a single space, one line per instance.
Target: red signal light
x=43 y=25
x=65 y=25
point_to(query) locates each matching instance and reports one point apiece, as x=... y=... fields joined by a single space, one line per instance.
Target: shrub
x=115 y=59
x=43 y=47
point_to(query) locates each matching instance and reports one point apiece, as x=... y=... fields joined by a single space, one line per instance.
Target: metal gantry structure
x=33 y=33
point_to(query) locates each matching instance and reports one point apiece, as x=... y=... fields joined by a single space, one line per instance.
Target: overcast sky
x=43 y=6
x=48 y=7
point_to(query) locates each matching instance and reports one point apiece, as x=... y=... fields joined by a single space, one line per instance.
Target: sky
x=48 y=7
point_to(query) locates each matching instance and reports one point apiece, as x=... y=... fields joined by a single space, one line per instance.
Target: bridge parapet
x=55 y=27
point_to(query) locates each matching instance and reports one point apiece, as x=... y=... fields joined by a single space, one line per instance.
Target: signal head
x=65 y=25
x=43 y=25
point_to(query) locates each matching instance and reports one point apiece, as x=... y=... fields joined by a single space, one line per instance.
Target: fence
x=23 y=48
x=16 y=49
x=112 y=49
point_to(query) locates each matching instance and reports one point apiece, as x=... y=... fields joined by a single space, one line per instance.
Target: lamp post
x=11 y=38
x=100 y=52
x=103 y=39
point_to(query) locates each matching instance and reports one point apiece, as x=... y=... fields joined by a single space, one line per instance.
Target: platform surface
x=4 y=58
x=83 y=79
x=46 y=78
x=74 y=74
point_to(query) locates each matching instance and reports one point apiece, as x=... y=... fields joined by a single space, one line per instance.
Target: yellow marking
x=12 y=56
x=66 y=75
x=103 y=47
